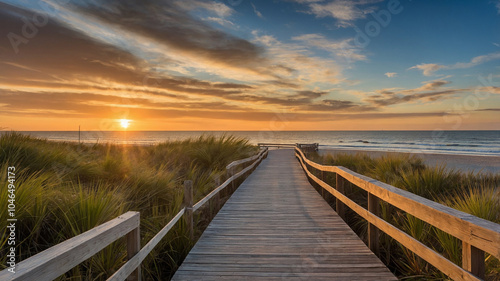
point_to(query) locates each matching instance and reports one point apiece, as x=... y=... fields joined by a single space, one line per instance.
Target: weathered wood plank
x=277 y=226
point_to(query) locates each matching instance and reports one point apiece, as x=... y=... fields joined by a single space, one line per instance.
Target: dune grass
x=474 y=193
x=65 y=189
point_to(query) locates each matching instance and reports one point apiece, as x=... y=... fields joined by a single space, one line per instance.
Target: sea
x=481 y=143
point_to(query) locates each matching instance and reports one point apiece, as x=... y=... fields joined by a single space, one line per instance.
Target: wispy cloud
x=476 y=61
x=489 y=109
x=391 y=74
x=430 y=91
x=491 y=89
x=259 y=14
x=343 y=49
x=220 y=21
x=428 y=69
x=295 y=62
x=217 y=8
x=345 y=11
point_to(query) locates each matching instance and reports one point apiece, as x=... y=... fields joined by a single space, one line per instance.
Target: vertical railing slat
x=373 y=232
x=133 y=247
x=188 y=204
x=473 y=260
x=340 y=188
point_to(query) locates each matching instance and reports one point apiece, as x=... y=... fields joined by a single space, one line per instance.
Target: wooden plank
x=480 y=233
x=277 y=226
x=57 y=260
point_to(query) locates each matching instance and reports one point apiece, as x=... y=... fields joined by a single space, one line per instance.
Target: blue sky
x=239 y=64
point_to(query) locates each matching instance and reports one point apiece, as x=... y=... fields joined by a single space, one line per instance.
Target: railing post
x=188 y=204
x=231 y=173
x=216 y=198
x=322 y=189
x=473 y=260
x=338 y=204
x=373 y=232
x=133 y=239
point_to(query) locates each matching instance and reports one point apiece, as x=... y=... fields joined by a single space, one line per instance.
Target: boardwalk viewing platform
x=277 y=227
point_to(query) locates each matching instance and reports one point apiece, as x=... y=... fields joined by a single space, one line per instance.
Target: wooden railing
x=277 y=145
x=59 y=259
x=477 y=235
x=303 y=146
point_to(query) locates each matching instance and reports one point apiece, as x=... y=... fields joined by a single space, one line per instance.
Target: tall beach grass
x=474 y=193
x=65 y=189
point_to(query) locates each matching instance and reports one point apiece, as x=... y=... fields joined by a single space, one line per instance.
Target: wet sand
x=465 y=163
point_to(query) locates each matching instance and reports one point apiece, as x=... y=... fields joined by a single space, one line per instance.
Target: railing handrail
x=245 y=160
x=55 y=261
x=277 y=144
x=480 y=233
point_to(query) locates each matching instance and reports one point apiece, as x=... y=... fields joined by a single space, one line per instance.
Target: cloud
x=345 y=11
x=430 y=91
x=181 y=36
x=489 y=109
x=259 y=14
x=74 y=105
x=297 y=64
x=391 y=74
x=497 y=4
x=476 y=61
x=217 y=8
x=342 y=49
x=490 y=89
x=220 y=21
x=428 y=69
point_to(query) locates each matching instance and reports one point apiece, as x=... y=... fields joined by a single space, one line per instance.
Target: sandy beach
x=465 y=163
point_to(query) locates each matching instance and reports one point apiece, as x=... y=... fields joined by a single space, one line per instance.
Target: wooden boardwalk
x=277 y=227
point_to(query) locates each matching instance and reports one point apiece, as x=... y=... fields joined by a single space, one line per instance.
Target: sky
x=249 y=65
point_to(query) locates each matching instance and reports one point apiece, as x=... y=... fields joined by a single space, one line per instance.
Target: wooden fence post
x=188 y=204
x=373 y=232
x=322 y=189
x=232 y=171
x=340 y=188
x=216 y=198
x=133 y=247
x=473 y=260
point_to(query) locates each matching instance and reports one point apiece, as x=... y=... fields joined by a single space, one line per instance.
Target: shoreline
x=463 y=163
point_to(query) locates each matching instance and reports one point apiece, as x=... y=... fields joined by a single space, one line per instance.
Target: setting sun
x=124 y=123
